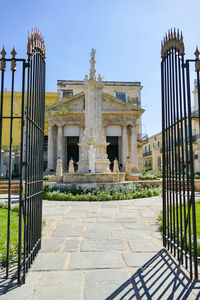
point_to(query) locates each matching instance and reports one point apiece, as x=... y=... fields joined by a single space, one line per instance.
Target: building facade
x=152 y=152
x=105 y=114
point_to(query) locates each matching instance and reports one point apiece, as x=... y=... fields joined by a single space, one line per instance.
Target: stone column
x=50 y=148
x=124 y=145
x=60 y=143
x=133 y=149
x=81 y=131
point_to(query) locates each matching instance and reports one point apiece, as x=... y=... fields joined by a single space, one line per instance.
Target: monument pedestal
x=101 y=166
x=94 y=178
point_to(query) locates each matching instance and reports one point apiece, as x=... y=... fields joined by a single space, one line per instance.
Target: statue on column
x=91 y=158
x=92 y=65
x=59 y=169
x=71 y=167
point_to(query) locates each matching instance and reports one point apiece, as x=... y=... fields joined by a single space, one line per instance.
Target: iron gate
x=179 y=217
x=21 y=138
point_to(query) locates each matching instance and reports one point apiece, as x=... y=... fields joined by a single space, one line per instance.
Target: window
x=67 y=93
x=121 y=95
x=158 y=144
x=149 y=163
x=145 y=164
x=180 y=137
x=145 y=149
x=149 y=147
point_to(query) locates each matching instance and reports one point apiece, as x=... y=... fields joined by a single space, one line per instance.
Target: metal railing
x=149 y=153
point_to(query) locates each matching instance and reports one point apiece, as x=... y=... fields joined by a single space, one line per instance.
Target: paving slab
x=60 y=285
x=68 y=230
x=72 y=245
x=136 y=259
x=103 y=250
x=49 y=262
x=103 y=245
x=90 y=260
x=52 y=244
x=99 y=284
x=145 y=245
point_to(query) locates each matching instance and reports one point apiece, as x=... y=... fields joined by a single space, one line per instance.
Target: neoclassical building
x=105 y=114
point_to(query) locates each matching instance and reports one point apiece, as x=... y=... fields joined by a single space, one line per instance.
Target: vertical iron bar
x=183 y=150
x=163 y=155
x=10 y=174
x=178 y=105
x=187 y=139
x=1 y=114
x=175 y=120
x=21 y=173
x=198 y=90
x=191 y=201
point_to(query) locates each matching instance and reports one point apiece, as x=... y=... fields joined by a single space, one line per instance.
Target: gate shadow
x=10 y=283
x=160 y=278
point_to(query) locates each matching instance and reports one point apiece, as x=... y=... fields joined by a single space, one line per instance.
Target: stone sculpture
x=116 y=166
x=59 y=169
x=91 y=158
x=71 y=167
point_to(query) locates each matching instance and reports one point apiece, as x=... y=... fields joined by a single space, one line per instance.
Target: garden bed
x=100 y=193
x=160 y=220
x=14 y=227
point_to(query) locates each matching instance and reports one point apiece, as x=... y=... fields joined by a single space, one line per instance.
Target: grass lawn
x=198 y=219
x=14 y=217
x=197 y=224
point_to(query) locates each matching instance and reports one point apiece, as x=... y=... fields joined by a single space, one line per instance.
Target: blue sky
x=126 y=35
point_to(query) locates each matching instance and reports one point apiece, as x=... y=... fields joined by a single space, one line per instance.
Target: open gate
x=179 y=217
x=21 y=140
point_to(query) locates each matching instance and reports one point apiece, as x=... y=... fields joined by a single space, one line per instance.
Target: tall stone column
x=124 y=145
x=81 y=131
x=133 y=149
x=50 y=148
x=60 y=143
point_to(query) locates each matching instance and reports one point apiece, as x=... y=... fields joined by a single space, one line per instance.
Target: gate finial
x=3 y=62
x=172 y=40
x=36 y=43
x=197 y=62
x=13 y=61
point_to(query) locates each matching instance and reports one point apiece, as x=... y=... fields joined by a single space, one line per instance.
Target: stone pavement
x=103 y=250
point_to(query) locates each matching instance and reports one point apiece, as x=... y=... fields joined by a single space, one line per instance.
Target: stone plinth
x=93 y=178
x=132 y=177
x=55 y=178
x=101 y=166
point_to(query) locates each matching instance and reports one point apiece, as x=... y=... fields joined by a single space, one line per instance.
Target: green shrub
x=79 y=193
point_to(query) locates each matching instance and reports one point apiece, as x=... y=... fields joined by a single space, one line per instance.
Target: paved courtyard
x=103 y=250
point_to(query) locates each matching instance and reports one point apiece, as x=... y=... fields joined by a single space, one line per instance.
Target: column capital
x=124 y=125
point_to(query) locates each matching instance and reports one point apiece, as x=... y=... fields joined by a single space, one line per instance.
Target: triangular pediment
x=111 y=103
x=74 y=103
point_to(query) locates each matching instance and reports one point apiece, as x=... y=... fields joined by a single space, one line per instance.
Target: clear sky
x=125 y=33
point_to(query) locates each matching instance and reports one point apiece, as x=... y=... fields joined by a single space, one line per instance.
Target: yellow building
x=16 y=136
x=152 y=152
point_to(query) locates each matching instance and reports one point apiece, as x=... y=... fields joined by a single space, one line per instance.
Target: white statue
x=71 y=167
x=91 y=158
x=116 y=166
x=59 y=169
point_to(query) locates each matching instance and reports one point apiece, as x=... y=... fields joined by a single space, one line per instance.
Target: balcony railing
x=149 y=153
